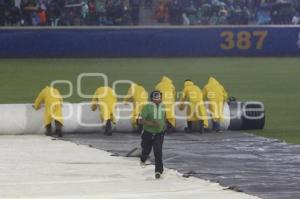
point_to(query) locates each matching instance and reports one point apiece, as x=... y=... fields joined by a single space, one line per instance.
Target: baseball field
x=274 y=81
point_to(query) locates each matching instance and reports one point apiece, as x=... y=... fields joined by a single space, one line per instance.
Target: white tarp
x=78 y=117
x=37 y=167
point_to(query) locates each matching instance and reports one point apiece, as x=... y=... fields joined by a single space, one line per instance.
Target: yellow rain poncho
x=106 y=100
x=53 y=103
x=196 y=108
x=216 y=95
x=166 y=87
x=139 y=97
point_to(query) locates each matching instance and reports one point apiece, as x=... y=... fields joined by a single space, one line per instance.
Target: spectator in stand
x=134 y=6
x=282 y=12
x=190 y=14
x=175 y=11
x=161 y=12
x=127 y=12
x=101 y=12
x=28 y=10
x=12 y=15
x=118 y=12
x=2 y=13
x=263 y=14
x=223 y=14
x=41 y=17
x=287 y=13
x=109 y=12
x=213 y=19
x=53 y=13
x=206 y=13
x=245 y=16
x=92 y=15
x=296 y=19
x=84 y=13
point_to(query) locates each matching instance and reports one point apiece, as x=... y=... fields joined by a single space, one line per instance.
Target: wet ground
x=266 y=168
x=37 y=166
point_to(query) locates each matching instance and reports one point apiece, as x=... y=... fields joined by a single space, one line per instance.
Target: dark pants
x=108 y=128
x=58 y=127
x=194 y=126
x=150 y=140
x=216 y=126
x=139 y=127
x=170 y=127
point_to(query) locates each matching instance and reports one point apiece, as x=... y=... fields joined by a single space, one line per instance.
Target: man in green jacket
x=153 y=118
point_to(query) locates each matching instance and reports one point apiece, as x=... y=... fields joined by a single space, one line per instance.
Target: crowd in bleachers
x=69 y=12
x=127 y=12
x=233 y=12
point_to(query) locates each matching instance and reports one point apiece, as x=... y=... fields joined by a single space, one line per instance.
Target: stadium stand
x=146 y=12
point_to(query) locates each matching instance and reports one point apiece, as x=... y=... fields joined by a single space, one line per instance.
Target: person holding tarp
x=166 y=87
x=196 y=113
x=105 y=99
x=215 y=94
x=139 y=97
x=153 y=117
x=53 y=109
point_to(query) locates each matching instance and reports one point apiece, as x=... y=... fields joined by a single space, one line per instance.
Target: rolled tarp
x=248 y=115
x=78 y=118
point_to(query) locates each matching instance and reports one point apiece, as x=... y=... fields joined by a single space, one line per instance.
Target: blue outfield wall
x=150 y=42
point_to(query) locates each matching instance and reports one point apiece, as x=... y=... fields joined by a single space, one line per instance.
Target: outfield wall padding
x=150 y=41
x=23 y=119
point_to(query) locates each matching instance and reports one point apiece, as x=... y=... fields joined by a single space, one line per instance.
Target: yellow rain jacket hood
x=106 y=100
x=166 y=80
x=212 y=80
x=53 y=102
x=216 y=95
x=166 y=87
x=196 y=109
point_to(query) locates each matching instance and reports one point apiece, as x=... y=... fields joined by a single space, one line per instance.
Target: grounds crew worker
x=196 y=111
x=105 y=99
x=139 y=97
x=166 y=87
x=216 y=95
x=53 y=103
x=153 y=120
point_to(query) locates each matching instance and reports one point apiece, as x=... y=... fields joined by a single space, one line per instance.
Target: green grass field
x=274 y=81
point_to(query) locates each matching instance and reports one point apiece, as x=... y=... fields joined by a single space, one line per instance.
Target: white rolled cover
x=23 y=119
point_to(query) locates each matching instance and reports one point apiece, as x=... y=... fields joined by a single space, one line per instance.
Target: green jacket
x=155 y=112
